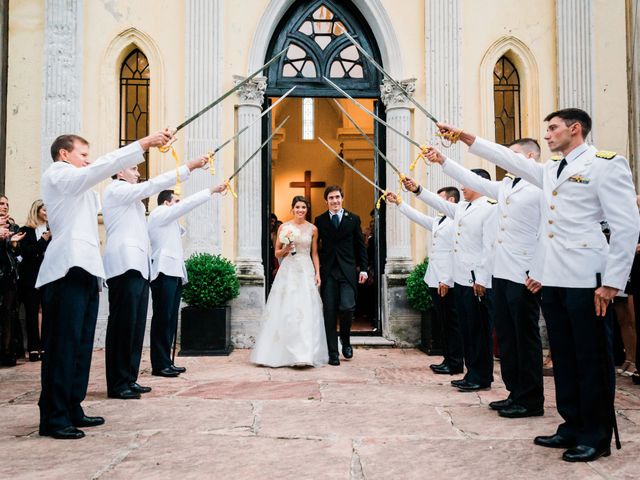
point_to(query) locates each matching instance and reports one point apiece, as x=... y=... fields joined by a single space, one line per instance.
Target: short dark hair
x=528 y=143
x=571 y=116
x=333 y=188
x=300 y=198
x=165 y=196
x=65 y=142
x=482 y=172
x=451 y=192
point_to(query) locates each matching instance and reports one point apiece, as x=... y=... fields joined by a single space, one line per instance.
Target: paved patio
x=383 y=415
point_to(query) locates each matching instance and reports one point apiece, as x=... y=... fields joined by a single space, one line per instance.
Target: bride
x=292 y=331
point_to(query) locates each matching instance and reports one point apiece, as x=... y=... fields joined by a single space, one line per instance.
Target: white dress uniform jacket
x=590 y=189
x=517 y=224
x=440 y=266
x=165 y=233
x=473 y=236
x=127 y=245
x=72 y=209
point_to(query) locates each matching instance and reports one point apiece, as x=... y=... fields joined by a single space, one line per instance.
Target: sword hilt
x=211 y=158
x=451 y=136
x=230 y=189
x=167 y=147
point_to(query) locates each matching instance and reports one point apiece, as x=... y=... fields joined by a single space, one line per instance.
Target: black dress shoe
x=446 y=370
x=137 y=388
x=125 y=395
x=460 y=381
x=347 y=351
x=334 y=361
x=473 y=387
x=518 y=411
x=165 y=372
x=437 y=365
x=635 y=378
x=34 y=356
x=89 y=422
x=501 y=404
x=554 y=441
x=178 y=369
x=583 y=453
x=66 y=433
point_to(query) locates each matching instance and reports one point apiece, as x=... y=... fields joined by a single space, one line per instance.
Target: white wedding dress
x=292 y=332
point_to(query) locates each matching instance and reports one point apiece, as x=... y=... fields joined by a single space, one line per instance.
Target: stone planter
x=432 y=329
x=205 y=331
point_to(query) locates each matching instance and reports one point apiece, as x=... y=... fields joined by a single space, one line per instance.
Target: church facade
x=114 y=70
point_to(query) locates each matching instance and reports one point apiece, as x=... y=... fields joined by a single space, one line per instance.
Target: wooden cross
x=307 y=185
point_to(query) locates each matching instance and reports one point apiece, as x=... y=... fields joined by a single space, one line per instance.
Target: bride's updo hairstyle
x=300 y=198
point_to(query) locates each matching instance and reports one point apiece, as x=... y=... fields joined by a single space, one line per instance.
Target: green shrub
x=213 y=281
x=417 y=291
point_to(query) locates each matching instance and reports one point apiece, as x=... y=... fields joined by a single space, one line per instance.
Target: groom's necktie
x=335 y=219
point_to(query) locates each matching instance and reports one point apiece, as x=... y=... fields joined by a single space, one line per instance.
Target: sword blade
x=391 y=79
x=229 y=92
x=220 y=147
x=364 y=177
x=368 y=139
x=377 y=118
x=246 y=162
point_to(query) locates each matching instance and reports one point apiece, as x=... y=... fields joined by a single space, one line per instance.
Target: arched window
x=134 y=103
x=312 y=32
x=506 y=98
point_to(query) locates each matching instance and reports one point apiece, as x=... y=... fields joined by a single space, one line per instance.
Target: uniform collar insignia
x=556 y=158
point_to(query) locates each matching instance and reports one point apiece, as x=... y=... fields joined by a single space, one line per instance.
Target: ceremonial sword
x=370 y=142
x=362 y=175
x=229 y=92
x=378 y=119
x=391 y=79
x=423 y=148
x=246 y=162
x=220 y=147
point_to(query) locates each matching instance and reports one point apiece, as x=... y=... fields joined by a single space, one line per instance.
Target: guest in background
x=9 y=238
x=32 y=247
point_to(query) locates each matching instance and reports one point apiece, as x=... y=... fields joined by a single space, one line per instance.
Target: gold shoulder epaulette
x=492 y=201
x=509 y=175
x=556 y=158
x=607 y=155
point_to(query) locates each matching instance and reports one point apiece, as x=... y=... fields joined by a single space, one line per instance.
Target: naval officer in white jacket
x=168 y=273
x=515 y=308
x=474 y=233
x=71 y=274
x=126 y=264
x=577 y=271
x=439 y=277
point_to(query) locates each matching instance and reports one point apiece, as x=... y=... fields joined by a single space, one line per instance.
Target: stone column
x=444 y=98
x=202 y=86
x=62 y=86
x=574 y=24
x=4 y=59
x=247 y=308
x=400 y=323
x=398 y=151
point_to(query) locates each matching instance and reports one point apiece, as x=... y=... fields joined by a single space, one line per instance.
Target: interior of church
x=301 y=165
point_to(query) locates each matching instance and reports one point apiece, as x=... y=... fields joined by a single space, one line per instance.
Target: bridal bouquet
x=288 y=235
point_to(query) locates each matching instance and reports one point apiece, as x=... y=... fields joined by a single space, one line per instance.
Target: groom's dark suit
x=341 y=251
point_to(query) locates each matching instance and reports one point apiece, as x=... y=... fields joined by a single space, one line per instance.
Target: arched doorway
x=297 y=163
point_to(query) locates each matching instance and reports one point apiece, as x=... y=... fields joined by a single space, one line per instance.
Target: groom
x=341 y=251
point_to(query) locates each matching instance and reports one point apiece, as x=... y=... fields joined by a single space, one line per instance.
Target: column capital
x=391 y=95
x=252 y=92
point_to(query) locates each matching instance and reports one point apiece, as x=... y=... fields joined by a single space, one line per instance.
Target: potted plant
x=419 y=298
x=206 y=320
